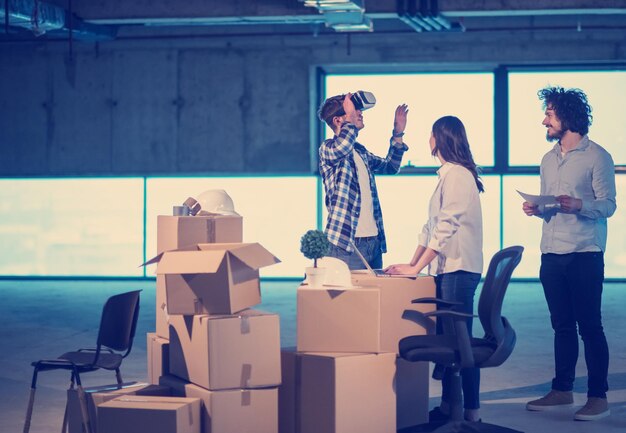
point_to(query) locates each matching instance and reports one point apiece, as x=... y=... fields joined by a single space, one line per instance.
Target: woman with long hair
x=451 y=243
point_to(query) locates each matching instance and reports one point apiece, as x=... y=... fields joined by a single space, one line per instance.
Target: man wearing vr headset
x=348 y=168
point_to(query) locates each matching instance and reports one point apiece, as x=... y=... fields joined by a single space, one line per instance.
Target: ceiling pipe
x=33 y=15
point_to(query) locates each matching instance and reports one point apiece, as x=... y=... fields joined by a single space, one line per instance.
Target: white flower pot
x=315 y=276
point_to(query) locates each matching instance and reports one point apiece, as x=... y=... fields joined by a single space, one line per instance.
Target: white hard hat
x=337 y=272
x=213 y=201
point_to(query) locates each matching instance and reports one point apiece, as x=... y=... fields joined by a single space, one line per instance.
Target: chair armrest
x=444 y=313
x=464 y=344
x=421 y=319
x=438 y=301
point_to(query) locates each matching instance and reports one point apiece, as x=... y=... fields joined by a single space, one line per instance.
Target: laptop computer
x=376 y=272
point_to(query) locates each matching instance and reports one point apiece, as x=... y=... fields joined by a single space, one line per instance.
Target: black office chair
x=455 y=350
x=115 y=340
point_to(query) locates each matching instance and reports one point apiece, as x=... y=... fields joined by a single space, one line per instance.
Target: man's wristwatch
x=395 y=134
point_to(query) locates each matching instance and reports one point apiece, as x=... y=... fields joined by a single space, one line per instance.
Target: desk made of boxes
x=366 y=318
x=350 y=336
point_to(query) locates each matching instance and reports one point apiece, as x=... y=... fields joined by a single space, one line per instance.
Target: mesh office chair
x=456 y=350
x=115 y=340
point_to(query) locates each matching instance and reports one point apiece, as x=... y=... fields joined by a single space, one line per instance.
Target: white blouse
x=455 y=224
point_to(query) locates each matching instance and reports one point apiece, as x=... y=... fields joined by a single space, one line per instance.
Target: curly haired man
x=581 y=174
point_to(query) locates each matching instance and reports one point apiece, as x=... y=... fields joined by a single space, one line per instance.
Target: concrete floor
x=45 y=318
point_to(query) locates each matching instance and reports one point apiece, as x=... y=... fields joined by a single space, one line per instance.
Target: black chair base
x=458 y=427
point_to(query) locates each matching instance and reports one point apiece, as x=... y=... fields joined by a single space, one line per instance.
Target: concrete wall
x=217 y=104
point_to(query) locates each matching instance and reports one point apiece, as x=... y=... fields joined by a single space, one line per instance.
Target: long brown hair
x=451 y=142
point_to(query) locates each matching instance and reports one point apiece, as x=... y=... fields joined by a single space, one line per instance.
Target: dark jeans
x=572 y=284
x=369 y=247
x=460 y=286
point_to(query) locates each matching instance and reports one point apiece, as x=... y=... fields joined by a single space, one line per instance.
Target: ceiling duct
x=33 y=15
x=426 y=18
x=343 y=15
x=41 y=17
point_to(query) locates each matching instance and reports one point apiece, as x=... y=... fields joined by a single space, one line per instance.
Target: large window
x=276 y=212
x=605 y=91
x=469 y=96
x=71 y=227
x=45 y=231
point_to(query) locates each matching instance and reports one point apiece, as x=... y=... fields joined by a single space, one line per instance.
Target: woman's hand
x=402 y=269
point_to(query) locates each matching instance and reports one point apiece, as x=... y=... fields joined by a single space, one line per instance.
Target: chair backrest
x=496 y=327
x=119 y=321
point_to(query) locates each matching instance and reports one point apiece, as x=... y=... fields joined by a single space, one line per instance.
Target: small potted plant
x=314 y=245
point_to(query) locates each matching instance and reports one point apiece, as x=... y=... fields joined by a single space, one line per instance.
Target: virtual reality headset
x=363 y=100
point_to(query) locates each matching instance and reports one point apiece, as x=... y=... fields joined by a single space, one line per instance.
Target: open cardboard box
x=212 y=278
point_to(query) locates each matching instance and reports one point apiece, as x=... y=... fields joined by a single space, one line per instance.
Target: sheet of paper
x=538 y=199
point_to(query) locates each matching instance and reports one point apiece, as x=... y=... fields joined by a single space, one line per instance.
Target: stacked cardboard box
x=139 y=414
x=209 y=343
x=173 y=233
x=345 y=375
x=97 y=395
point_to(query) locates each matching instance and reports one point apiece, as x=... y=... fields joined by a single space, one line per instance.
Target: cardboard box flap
x=254 y=255
x=217 y=246
x=158 y=257
x=190 y=262
x=245 y=314
x=153 y=260
x=150 y=402
x=124 y=387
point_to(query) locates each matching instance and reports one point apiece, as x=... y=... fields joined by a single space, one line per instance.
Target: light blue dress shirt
x=586 y=172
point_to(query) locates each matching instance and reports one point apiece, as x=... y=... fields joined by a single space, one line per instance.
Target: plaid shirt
x=341 y=185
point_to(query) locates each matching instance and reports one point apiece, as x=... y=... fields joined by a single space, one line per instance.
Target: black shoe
x=437 y=415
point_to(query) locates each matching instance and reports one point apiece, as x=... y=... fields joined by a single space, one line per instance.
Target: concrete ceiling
x=114 y=19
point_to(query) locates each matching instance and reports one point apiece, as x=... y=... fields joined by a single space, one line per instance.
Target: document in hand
x=538 y=199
